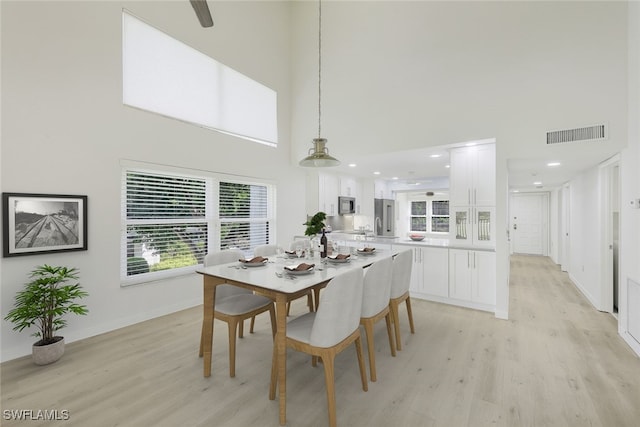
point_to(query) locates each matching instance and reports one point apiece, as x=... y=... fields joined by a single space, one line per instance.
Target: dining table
x=274 y=281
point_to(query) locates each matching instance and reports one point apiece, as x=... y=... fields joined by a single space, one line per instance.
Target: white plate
x=365 y=253
x=338 y=261
x=253 y=264
x=299 y=272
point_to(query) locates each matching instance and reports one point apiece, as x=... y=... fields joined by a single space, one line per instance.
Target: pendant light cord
x=319 y=63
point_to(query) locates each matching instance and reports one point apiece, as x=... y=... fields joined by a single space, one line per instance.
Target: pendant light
x=319 y=155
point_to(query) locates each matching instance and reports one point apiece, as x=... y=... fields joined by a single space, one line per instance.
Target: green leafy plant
x=315 y=224
x=45 y=300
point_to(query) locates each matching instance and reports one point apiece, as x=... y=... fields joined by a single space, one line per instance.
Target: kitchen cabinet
x=382 y=190
x=472 y=176
x=351 y=187
x=472 y=277
x=430 y=272
x=473 y=225
x=322 y=193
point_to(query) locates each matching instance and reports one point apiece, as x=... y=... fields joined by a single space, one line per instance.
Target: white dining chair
x=401 y=279
x=328 y=331
x=265 y=250
x=235 y=304
x=375 y=305
x=303 y=244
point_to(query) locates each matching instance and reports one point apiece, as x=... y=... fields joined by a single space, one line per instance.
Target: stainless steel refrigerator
x=384 y=221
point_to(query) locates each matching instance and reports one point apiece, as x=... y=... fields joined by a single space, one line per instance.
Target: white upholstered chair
x=235 y=304
x=375 y=305
x=400 y=281
x=329 y=330
x=265 y=250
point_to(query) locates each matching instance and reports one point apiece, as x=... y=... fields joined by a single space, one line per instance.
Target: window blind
x=165 y=76
x=244 y=216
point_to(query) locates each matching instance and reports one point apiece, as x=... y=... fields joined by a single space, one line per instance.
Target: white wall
x=630 y=186
x=65 y=131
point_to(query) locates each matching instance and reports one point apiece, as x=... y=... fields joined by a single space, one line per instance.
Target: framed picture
x=43 y=223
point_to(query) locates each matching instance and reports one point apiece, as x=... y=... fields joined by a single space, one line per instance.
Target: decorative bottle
x=323 y=245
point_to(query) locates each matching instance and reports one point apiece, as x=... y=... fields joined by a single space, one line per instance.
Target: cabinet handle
x=474 y=260
x=475 y=196
x=468 y=195
x=468 y=260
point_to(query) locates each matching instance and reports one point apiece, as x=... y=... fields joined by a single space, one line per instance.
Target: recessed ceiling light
x=395 y=177
x=352 y=165
x=515 y=191
x=537 y=183
x=435 y=156
x=447 y=166
x=470 y=144
x=376 y=173
x=552 y=164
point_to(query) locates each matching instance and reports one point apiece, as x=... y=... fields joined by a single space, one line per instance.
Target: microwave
x=346 y=205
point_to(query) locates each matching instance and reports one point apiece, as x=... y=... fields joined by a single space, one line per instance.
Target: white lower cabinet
x=472 y=277
x=430 y=272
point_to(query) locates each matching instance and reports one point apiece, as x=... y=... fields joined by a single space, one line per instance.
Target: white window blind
x=165 y=76
x=244 y=216
x=165 y=222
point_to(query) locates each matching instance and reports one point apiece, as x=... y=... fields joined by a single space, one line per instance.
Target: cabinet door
x=435 y=271
x=484 y=277
x=484 y=175
x=329 y=194
x=460 y=274
x=461 y=223
x=460 y=177
x=416 y=270
x=484 y=230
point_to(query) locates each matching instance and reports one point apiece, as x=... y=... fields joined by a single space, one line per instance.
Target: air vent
x=590 y=133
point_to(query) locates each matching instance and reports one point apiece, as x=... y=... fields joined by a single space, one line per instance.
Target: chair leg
x=331 y=391
x=363 y=372
x=253 y=321
x=233 y=324
x=201 y=340
x=272 y=314
x=310 y=302
x=396 y=324
x=288 y=308
x=368 y=329
x=410 y=314
x=392 y=345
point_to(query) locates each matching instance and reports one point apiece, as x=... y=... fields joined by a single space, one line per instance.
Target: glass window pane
x=440 y=224
x=440 y=207
x=418 y=224
x=418 y=208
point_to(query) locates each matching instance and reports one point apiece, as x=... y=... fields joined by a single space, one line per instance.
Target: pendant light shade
x=319 y=155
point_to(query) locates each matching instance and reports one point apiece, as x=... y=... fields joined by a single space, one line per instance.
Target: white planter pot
x=46 y=354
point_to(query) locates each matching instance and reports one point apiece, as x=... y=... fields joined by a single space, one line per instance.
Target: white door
x=529 y=223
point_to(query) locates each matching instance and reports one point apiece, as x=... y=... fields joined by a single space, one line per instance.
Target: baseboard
x=583 y=291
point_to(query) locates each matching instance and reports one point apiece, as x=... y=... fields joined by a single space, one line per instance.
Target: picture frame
x=43 y=223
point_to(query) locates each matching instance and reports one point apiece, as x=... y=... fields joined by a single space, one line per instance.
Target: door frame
x=565 y=227
x=609 y=199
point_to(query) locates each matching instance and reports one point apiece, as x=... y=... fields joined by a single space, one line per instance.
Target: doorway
x=610 y=205
x=529 y=223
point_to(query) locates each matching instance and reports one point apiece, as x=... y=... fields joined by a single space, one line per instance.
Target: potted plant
x=315 y=224
x=43 y=302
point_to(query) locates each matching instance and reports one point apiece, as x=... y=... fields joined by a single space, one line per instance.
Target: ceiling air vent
x=590 y=133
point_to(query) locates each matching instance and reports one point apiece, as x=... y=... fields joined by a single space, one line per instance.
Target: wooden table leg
x=206 y=339
x=281 y=347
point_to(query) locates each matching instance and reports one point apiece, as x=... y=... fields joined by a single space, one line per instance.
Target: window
x=429 y=216
x=169 y=221
x=165 y=76
x=244 y=220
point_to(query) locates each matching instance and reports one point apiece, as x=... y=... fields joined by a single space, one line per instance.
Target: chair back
x=339 y=312
x=265 y=250
x=401 y=278
x=224 y=257
x=377 y=287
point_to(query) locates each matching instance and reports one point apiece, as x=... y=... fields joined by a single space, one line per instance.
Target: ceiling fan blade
x=202 y=12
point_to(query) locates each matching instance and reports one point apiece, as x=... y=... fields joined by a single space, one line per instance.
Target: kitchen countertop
x=391 y=240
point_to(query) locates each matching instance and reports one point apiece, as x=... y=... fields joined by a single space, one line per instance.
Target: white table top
x=265 y=277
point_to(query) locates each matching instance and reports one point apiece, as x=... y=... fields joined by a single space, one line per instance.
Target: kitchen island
x=444 y=270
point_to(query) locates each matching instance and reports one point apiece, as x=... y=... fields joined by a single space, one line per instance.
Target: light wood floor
x=556 y=362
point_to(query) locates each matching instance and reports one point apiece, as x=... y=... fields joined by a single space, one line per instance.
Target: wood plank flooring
x=556 y=362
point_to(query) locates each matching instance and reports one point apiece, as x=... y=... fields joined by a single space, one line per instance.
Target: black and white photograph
x=43 y=223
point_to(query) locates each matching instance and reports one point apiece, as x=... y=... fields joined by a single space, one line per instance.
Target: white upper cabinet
x=328 y=194
x=473 y=176
x=382 y=190
x=348 y=186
